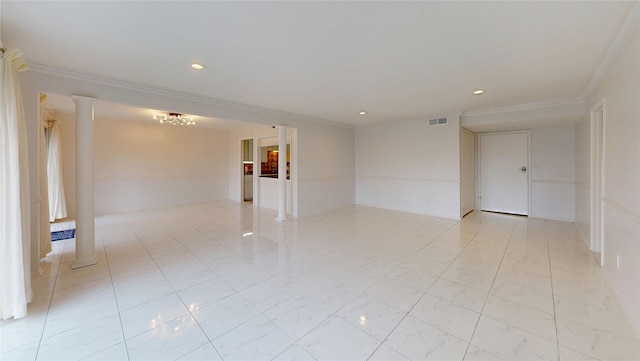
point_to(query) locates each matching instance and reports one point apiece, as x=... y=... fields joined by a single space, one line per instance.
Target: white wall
x=620 y=88
x=141 y=165
x=410 y=166
x=553 y=173
x=326 y=166
x=269 y=194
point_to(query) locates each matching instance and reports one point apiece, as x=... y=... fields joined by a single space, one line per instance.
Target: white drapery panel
x=45 y=226
x=57 y=203
x=15 y=270
x=55 y=186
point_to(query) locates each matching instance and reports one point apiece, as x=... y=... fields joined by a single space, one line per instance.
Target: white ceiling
x=330 y=60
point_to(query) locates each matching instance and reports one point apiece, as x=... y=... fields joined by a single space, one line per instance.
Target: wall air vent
x=439 y=121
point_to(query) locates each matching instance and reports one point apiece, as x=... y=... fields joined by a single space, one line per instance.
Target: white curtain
x=15 y=271
x=57 y=204
x=45 y=226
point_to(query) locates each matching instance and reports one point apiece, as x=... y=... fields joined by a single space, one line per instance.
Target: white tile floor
x=221 y=281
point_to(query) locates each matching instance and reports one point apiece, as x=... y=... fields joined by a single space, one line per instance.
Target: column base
x=84 y=262
x=282 y=219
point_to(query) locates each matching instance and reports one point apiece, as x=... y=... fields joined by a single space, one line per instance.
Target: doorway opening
x=247 y=170
x=268 y=153
x=597 y=170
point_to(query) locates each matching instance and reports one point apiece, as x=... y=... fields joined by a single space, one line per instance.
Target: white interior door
x=504 y=172
x=467 y=171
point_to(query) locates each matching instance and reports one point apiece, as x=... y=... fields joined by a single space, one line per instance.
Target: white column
x=85 y=218
x=282 y=174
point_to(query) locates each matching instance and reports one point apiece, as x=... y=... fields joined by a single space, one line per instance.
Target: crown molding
x=523 y=107
x=94 y=78
x=624 y=33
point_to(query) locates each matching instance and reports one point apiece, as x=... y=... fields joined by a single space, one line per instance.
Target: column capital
x=83 y=99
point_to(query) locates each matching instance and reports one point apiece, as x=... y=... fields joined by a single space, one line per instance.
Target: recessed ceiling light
x=478 y=92
x=363 y=113
x=197 y=66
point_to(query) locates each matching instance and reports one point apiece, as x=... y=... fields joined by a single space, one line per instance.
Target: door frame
x=242 y=184
x=473 y=180
x=597 y=160
x=479 y=164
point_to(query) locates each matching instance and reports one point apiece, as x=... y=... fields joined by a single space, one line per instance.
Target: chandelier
x=174 y=119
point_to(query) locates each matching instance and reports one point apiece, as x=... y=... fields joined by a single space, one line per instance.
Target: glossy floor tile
x=224 y=281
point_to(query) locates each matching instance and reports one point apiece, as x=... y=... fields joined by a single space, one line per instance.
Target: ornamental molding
x=523 y=107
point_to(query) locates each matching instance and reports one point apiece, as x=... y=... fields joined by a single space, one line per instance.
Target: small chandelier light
x=174 y=119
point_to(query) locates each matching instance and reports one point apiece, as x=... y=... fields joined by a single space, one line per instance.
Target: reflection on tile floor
x=223 y=281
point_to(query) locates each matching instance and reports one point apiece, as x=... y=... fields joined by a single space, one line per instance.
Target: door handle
x=523 y=169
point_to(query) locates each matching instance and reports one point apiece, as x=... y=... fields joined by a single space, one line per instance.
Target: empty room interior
x=386 y=180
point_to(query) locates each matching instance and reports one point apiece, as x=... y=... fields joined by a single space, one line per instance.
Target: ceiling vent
x=439 y=121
